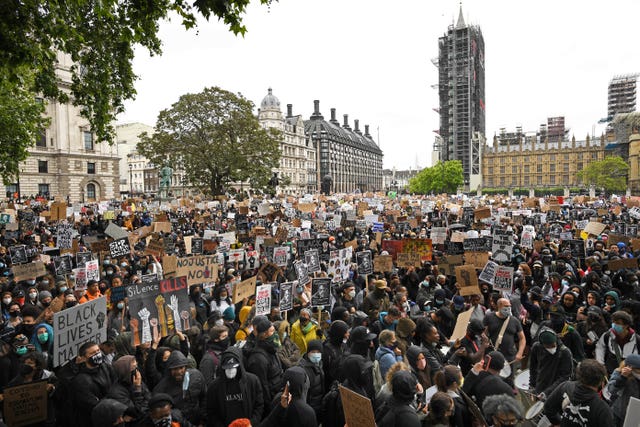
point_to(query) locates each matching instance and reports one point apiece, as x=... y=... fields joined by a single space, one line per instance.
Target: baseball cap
x=361 y=334
x=230 y=363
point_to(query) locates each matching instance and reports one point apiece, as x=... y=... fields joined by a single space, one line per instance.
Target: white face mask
x=551 y=350
x=352 y=294
x=231 y=373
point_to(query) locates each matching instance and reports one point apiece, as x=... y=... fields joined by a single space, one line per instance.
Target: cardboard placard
x=162 y=227
x=406 y=260
x=198 y=269
x=595 y=228
x=422 y=247
x=116 y=232
x=25 y=404
x=468 y=280
x=447 y=265
x=170 y=266
x=30 y=270
x=74 y=326
x=358 y=411
x=477 y=259
x=244 y=289
x=618 y=264
x=482 y=213
x=263 y=300
x=462 y=322
x=383 y=263
x=58 y=211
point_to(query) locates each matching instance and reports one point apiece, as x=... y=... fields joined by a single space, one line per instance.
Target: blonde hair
x=398 y=366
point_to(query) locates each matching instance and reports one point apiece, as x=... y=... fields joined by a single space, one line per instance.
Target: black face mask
x=26 y=370
x=27 y=329
x=70 y=304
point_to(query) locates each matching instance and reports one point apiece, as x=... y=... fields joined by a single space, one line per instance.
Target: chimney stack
x=346 y=122
x=316 y=111
x=356 y=125
x=289 y=110
x=333 y=117
x=366 y=131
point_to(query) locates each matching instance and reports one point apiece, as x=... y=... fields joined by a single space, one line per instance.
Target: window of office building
x=43 y=166
x=88 y=140
x=43 y=190
x=91 y=168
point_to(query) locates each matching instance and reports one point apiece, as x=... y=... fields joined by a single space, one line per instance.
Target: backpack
x=378 y=381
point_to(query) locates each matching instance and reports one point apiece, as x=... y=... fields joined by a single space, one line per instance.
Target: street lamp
x=438 y=146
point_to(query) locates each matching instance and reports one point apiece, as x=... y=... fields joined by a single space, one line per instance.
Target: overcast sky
x=371 y=59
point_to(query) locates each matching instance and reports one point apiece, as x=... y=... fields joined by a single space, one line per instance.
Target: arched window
x=91 y=191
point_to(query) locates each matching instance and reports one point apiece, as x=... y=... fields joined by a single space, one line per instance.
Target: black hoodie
x=245 y=387
x=401 y=413
x=585 y=409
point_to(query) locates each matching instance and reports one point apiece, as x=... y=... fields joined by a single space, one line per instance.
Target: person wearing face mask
x=218 y=342
x=623 y=385
x=376 y=301
x=293 y=411
x=110 y=413
x=388 y=352
x=130 y=389
x=505 y=332
x=591 y=329
x=502 y=411
x=334 y=348
x=6 y=302
x=42 y=340
x=565 y=331
x=92 y=383
x=162 y=413
x=618 y=342
x=304 y=330
x=32 y=369
x=288 y=353
x=550 y=363
x=221 y=300
x=401 y=410
x=198 y=303
x=578 y=403
x=32 y=295
x=311 y=362
x=44 y=299
x=186 y=386
x=262 y=359
x=235 y=393
x=347 y=298
x=93 y=292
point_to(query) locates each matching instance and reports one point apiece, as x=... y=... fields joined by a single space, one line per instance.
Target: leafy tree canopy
x=216 y=139
x=443 y=177
x=609 y=173
x=100 y=37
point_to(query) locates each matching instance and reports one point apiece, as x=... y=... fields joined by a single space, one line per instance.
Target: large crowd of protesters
x=560 y=345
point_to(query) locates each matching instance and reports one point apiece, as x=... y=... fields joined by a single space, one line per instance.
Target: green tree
x=609 y=174
x=100 y=37
x=216 y=139
x=443 y=177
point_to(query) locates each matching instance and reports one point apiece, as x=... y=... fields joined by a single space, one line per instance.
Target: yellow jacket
x=300 y=338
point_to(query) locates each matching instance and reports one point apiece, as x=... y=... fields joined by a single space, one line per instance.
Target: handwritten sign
x=462 y=322
x=25 y=404
x=263 y=300
x=29 y=270
x=74 y=326
x=198 y=269
x=383 y=263
x=467 y=279
x=119 y=248
x=503 y=279
x=358 y=411
x=244 y=289
x=407 y=260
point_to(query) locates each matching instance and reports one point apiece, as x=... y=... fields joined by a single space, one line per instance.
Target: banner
x=198 y=269
x=74 y=326
x=158 y=308
x=263 y=300
x=30 y=270
x=25 y=404
x=321 y=245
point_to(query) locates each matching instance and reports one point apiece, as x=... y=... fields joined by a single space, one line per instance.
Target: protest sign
x=462 y=322
x=423 y=247
x=467 y=280
x=263 y=300
x=393 y=247
x=618 y=264
x=18 y=254
x=406 y=260
x=196 y=246
x=526 y=240
x=62 y=264
x=478 y=244
x=438 y=235
x=503 y=279
x=488 y=272
x=25 y=404
x=365 y=264
x=320 y=244
x=80 y=275
x=119 y=248
x=447 y=264
x=358 y=411
x=117 y=294
x=280 y=256
x=502 y=246
x=158 y=309
x=93 y=270
x=312 y=259
x=301 y=272
x=575 y=246
x=383 y=263
x=198 y=269
x=115 y=231
x=320 y=291
x=286 y=296
x=482 y=213
x=244 y=289
x=162 y=227
x=30 y=270
x=632 y=417
x=595 y=228
x=477 y=259
x=64 y=236
x=74 y=326
x=82 y=258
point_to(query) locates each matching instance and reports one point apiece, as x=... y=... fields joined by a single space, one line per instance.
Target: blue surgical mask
x=565 y=282
x=315 y=358
x=63 y=289
x=617 y=328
